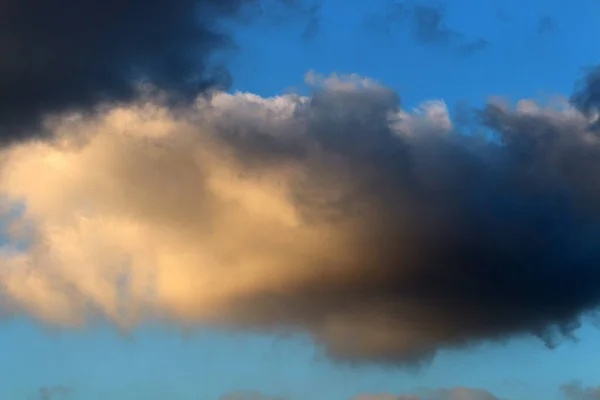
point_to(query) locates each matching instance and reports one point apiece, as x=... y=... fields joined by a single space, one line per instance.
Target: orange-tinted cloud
x=385 y=234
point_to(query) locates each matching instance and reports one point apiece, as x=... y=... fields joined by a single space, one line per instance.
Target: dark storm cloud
x=58 y=55
x=587 y=93
x=465 y=239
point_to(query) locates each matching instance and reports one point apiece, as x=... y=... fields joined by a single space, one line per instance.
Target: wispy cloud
x=54 y=392
x=251 y=395
x=426 y=24
x=577 y=391
x=546 y=25
x=313 y=26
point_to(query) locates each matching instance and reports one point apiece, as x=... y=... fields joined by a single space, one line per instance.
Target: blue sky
x=518 y=61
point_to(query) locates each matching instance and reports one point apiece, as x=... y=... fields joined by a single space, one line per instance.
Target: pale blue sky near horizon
x=521 y=59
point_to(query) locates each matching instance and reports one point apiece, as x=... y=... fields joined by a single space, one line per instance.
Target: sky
x=323 y=200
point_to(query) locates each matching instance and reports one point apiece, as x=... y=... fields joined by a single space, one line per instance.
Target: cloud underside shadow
x=71 y=55
x=387 y=234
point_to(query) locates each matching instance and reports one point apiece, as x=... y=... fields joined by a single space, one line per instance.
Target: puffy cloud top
x=385 y=233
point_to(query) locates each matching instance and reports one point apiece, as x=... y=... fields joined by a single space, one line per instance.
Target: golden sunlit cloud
x=373 y=228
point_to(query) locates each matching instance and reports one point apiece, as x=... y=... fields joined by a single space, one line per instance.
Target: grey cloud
x=251 y=395
x=54 y=392
x=457 y=393
x=576 y=391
